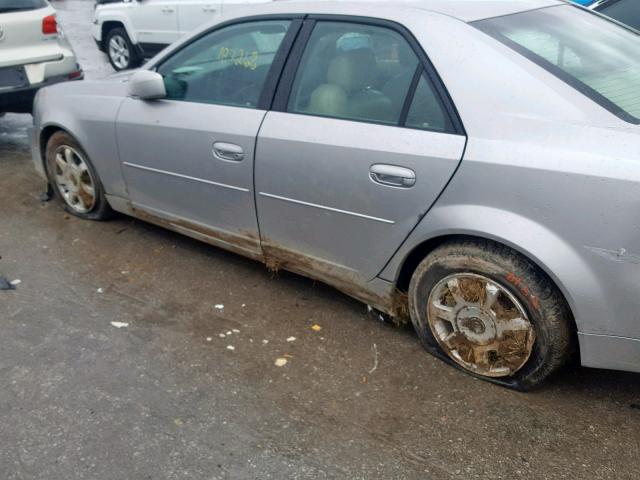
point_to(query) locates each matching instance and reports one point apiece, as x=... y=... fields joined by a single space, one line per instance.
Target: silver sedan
x=472 y=167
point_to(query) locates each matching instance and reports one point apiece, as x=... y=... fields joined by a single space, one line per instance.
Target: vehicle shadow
x=572 y=380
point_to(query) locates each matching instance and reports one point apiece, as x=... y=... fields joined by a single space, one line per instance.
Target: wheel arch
x=564 y=263
x=45 y=135
x=424 y=248
x=111 y=23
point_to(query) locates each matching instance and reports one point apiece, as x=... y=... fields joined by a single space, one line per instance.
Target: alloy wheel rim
x=480 y=325
x=119 y=51
x=73 y=179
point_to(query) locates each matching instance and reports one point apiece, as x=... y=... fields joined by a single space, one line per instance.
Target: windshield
x=594 y=55
x=18 y=5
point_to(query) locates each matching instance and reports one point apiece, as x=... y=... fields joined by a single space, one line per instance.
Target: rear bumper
x=20 y=100
x=610 y=352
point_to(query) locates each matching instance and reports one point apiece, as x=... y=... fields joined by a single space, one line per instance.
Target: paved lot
x=164 y=398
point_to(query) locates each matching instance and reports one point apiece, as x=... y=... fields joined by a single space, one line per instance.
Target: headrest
x=353 y=70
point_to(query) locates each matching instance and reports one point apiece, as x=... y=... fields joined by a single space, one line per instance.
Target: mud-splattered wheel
x=488 y=310
x=74 y=180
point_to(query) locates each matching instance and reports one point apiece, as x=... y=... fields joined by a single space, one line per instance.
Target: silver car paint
x=546 y=170
x=315 y=172
x=165 y=146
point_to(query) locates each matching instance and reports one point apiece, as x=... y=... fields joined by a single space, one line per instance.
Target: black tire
x=121 y=37
x=100 y=210
x=548 y=312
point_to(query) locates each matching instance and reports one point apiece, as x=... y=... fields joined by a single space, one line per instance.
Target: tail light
x=75 y=75
x=49 y=25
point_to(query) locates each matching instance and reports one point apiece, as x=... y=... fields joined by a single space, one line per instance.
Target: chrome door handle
x=209 y=9
x=392 y=176
x=228 y=152
x=168 y=10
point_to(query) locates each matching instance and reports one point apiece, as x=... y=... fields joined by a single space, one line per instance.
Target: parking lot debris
x=119 y=324
x=219 y=307
x=375 y=359
x=6 y=284
x=231 y=347
x=100 y=290
x=291 y=339
x=316 y=328
x=281 y=362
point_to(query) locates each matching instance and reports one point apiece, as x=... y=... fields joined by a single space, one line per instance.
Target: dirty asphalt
x=165 y=398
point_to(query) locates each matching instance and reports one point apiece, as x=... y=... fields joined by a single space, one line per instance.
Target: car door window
x=354 y=71
x=625 y=11
x=426 y=111
x=226 y=67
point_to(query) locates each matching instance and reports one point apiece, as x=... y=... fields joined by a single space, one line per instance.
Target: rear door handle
x=392 y=176
x=228 y=152
x=168 y=10
x=209 y=8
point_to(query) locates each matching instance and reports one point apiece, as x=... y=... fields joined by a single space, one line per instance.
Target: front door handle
x=228 y=152
x=168 y=10
x=209 y=8
x=392 y=176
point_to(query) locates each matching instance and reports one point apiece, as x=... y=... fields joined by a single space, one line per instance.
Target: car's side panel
x=573 y=215
x=90 y=119
x=194 y=13
x=172 y=171
x=154 y=21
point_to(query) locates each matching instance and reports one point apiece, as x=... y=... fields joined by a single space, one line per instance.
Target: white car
x=33 y=53
x=131 y=30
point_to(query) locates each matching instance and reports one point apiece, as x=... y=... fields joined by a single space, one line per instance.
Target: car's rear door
x=362 y=141
x=188 y=159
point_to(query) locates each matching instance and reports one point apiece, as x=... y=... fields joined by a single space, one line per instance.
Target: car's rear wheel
x=121 y=52
x=74 y=180
x=489 y=311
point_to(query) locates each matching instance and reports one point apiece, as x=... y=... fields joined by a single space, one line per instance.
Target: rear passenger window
x=365 y=73
x=426 y=112
x=355 y=72
x=226 y=67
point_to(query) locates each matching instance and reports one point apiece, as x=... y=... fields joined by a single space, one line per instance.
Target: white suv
x=131 y=30
x=33 y=53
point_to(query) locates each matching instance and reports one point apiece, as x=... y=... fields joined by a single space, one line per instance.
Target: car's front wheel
x=489 y=311
x=121 y=52
x=74 y=180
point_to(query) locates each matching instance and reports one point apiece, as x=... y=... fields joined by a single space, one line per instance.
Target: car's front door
x=188 y=159
x=195 y=13
x=155 y=22
x=362 y=146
